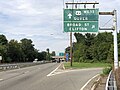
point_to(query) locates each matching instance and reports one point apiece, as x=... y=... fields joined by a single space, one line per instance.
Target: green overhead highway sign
x=81 y=20
x=61 y=54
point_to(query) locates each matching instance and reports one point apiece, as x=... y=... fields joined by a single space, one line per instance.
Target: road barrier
x=111 y=82
x=19 y=65
x=8 y=66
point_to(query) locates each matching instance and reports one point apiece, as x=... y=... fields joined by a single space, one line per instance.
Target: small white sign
x=0 y=58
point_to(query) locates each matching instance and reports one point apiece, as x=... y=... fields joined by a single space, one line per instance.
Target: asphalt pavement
x=35 y=78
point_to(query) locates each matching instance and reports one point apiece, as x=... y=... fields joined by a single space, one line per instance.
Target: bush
x=107 y=70
x=8 y=60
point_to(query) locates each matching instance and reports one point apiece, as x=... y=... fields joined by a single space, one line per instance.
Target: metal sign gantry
x=114 y=28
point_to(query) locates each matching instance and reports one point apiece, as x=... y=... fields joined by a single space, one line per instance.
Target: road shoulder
x=94 y=83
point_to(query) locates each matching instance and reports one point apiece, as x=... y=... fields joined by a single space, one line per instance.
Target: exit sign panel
x=81 y=26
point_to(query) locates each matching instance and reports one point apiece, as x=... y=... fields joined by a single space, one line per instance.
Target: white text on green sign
x=81 y=26
x=81 y=15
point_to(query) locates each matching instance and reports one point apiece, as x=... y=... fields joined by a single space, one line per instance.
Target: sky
x=42 y=21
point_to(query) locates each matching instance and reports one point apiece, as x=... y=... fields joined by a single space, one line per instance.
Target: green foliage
x=107 y=70
x=67 y=50
x=119 y=46
x=110 y=56
x=78 y=52
x=48 y=54
x=8 y=60
x=53 y=53
x=94 y=47
x=42 y=55
x=3 y=40
x=14 y=51
x=23 y=51
x=28 y=49
x=86 y=65
x=79 y=37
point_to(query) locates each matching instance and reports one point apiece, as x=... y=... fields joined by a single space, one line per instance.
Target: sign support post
x=114 y=14
x=116 y=63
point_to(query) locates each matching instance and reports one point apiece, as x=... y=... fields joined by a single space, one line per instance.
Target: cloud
x=41 y=21
x=22 y=15
x=18 y=7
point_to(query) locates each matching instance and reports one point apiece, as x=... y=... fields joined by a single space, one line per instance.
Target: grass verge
x=77 y=65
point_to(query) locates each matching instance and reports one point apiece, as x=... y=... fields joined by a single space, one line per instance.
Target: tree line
x=23 y=51
x=94 y=47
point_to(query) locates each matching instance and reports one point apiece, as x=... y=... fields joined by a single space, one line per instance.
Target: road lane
x=35 y=78
x=20 y=79
x=74 y=80
x=16 y=72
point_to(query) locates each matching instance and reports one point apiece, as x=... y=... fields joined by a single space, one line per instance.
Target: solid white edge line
x=54 y=70
x=88 y=82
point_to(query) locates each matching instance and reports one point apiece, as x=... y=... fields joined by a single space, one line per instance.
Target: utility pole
x=71 y=49
x=71 y=42
x=70 y=16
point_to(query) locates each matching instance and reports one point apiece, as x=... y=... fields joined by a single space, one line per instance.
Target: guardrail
x=19 y=65
x=8 y=66
x=111 y=83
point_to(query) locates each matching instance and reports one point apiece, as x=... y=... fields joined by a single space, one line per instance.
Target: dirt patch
x=117 y=76
x=102 y=83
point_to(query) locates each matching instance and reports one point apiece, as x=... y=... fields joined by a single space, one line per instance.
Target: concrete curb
x=96 y=83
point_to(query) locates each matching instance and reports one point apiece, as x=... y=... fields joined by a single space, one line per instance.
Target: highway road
x=35 y=78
